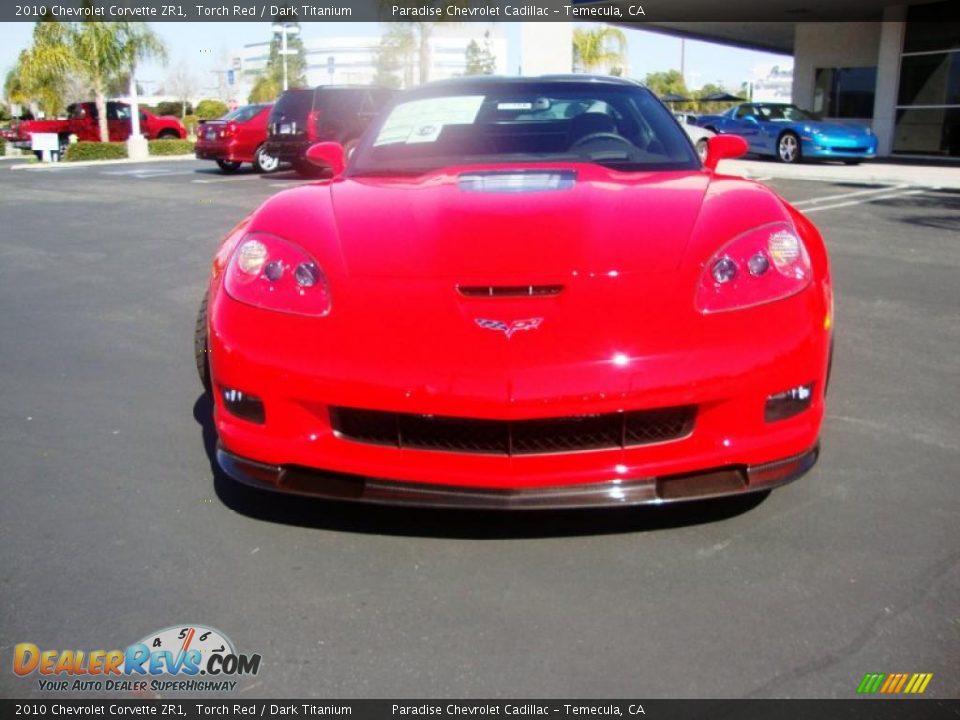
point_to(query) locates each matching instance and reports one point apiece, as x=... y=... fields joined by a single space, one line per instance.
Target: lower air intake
x=513 y=437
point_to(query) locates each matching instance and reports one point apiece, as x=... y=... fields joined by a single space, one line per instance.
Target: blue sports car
x=790 y=134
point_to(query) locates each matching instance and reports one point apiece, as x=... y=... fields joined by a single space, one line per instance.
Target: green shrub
x=3 y=147
x=96 y=151
x=211 y=109
x=190 y=122
x=172 y=108
x=171 y=147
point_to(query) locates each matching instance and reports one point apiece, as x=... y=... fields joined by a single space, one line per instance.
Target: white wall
x=830 y=45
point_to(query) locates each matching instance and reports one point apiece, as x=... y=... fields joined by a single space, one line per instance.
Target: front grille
x=513 y=437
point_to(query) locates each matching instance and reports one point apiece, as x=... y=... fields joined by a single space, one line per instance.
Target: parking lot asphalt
x=115 y=525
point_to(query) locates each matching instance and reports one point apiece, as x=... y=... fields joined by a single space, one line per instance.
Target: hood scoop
x=516 y=181
x=482 y=291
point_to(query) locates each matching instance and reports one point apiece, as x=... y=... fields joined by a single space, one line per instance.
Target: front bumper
x=707 y=484
x=827 y=147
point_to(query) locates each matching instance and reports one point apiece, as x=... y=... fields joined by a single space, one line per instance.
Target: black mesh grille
x=517 y=437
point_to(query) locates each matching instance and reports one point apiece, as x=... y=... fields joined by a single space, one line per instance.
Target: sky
x=205 y=47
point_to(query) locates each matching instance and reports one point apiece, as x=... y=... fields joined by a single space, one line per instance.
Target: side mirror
x=750 y=119
x=720 y=147
x=328 y=155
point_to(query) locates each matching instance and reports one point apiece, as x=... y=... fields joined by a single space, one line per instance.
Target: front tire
x=168 y=135
x=788 y=148
x=702 y=149
x=264 y=163
x=228 y=166
x=201 y=350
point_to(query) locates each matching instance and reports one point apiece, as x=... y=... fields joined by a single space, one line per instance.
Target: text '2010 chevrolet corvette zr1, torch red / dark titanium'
x=520 y=293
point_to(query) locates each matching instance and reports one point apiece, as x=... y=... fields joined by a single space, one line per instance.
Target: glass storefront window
x=931 y=79
x=933 y=26
x=928 y=131
x=845 y=92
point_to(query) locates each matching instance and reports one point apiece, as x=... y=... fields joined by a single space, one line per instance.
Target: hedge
x=96 y=151
x=171 y=147
x=211 y=109
x=3 y=147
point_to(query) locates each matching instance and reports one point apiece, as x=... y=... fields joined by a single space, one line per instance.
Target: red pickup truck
x=81 y=121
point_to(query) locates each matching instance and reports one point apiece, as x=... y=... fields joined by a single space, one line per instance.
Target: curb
x=93 y=163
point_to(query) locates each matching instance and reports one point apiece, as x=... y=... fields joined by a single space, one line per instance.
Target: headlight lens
x=269 y=272
x=776 y=266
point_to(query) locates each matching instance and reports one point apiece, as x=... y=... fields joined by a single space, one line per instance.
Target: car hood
x=434 y=226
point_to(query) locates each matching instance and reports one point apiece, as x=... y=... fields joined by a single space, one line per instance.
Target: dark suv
x=306 y=116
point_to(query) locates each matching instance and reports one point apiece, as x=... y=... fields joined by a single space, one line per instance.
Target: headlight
x=761 y=265
x=274 y=274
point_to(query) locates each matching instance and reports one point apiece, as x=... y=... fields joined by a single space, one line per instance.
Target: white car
x=699 y=136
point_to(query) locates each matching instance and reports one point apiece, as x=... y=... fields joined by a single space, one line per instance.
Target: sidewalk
x=870 y=172
x=88 y=163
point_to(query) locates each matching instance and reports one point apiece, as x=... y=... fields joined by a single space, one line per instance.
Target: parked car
x=82 y=121
x=519 y=293
x=699 y=137
x=790 y=134
x=238 y=137
x=302 y=117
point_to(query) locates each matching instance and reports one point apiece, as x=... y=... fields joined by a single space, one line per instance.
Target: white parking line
x=863 y=200
x=858 y=193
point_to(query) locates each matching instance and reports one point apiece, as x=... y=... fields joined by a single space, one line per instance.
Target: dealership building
x=898 y=71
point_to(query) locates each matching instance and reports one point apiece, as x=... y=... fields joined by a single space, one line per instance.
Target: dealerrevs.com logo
x=187 y=658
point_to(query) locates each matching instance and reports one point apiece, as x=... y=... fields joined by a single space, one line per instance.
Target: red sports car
x=238 y=137
x=520 y=293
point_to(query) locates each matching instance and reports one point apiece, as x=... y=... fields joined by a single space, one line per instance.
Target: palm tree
x=97 y=52
x=602 y=47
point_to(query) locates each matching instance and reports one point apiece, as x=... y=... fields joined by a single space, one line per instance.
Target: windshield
x=244 y=113
x=618 y=126
x=787 y=113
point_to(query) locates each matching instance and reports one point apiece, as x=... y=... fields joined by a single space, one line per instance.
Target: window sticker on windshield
x=421 y=121
x=515 y=106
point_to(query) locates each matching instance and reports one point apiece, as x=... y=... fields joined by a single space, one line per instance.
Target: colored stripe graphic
x=871 y=683
x=894 y=683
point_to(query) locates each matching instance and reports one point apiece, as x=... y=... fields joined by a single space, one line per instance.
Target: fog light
x=788 y=403
x=244 y=406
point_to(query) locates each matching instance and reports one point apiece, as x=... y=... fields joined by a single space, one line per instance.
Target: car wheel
x=264 y=163
x=228 y=166
x=201 y=351
x=168 y=135
x=788 y=148
x=64 y=146
x=702 y=149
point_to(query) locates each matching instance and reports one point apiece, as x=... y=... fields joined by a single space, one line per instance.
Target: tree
x=480 y=60
x=269 y=83
x=710 y=108
x=211 y=109
x=182 y=84
x=603 y=47
x=666 y=83
x=99 y=53
x=395 y=53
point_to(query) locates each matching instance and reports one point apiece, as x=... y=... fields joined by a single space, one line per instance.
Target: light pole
x=285 y=29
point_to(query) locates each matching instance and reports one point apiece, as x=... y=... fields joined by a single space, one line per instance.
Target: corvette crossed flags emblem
x=509 y=329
